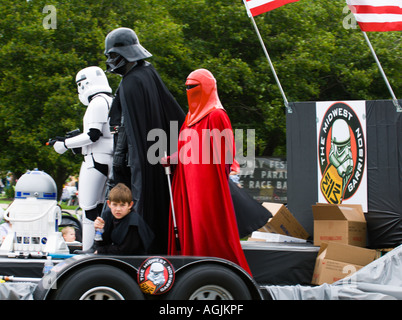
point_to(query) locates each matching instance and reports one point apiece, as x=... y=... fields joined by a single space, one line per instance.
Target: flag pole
x=288 y=108
x=394 y=99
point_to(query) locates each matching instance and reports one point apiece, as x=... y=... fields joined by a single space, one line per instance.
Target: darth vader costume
x=142 y=103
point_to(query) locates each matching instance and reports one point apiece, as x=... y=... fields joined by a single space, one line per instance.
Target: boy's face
x=119 y=209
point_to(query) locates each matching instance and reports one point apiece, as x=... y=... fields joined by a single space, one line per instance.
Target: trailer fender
x=213 y=278
x=50 y=285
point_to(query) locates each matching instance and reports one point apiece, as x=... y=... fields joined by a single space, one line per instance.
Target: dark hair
x=120 y=194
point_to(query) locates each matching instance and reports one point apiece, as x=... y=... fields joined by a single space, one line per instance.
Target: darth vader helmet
x=122 y=46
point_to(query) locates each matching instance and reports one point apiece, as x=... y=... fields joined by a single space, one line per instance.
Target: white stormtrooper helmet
x=341 y=154
x=340 y=137
x=90 y=81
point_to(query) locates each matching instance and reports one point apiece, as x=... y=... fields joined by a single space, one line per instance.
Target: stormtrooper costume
x=96 y=144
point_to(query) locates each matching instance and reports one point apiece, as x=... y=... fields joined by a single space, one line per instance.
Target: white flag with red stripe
x=377 y=15
x=257 y=7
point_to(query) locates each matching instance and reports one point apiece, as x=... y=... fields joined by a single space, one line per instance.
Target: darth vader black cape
x=145 y=103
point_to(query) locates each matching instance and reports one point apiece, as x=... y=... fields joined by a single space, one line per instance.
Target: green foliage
x=9 y=192
x=315 y=57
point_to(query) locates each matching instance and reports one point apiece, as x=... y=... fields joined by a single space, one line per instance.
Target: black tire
x=209 y=282
x=98 y=282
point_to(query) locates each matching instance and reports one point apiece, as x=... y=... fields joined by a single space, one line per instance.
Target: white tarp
x=17 y=290
x=379 y=280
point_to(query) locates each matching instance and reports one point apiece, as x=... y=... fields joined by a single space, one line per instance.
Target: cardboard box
x=340 y=223
x=283 y=222
x=336 y=261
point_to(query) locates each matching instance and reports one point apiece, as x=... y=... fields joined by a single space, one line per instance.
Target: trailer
x=92 y=277
x=36 y=254
x=96 y=277
x=35 y=244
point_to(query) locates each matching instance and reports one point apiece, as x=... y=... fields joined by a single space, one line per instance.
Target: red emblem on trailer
x=155 y=276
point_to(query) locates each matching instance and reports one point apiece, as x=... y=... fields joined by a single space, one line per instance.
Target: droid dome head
x=36 y=184
x=90 y=81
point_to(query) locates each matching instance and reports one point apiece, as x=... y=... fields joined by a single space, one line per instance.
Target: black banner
x=384 y=169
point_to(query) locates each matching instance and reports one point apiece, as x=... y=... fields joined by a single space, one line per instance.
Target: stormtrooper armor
x=96 y=144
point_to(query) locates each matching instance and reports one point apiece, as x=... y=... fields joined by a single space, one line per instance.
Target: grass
x=4 y=200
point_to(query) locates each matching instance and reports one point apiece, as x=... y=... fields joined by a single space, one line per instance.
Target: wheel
x=209 y=282
x=98 y=282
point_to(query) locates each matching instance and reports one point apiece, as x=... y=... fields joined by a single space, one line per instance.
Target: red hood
x=203 y=98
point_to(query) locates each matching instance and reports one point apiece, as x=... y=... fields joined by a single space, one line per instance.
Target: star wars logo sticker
x=155 y=276
x=341 y=153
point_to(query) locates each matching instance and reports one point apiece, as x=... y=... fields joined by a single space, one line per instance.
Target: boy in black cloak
x=142 y=103
x=125 y=232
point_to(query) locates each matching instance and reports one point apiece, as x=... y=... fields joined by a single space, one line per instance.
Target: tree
x=39 y=64
x=315 y=57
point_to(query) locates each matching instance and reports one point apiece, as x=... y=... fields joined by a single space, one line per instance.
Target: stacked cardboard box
x=339 y=223
x=336 y=261
x=340 y=231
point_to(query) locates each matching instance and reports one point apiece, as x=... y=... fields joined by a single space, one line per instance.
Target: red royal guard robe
x=205 y=216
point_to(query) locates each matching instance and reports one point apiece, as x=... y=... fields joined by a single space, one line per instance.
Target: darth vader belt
x=116 y=129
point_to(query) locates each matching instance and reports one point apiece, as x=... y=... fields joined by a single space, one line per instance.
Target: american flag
x=257 y=7
x=377 y=15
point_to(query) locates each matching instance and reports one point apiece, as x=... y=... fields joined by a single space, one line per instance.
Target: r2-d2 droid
x=34 y=215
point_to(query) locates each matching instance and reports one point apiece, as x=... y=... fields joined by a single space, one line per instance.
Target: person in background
x=68 y=234
x=5 y=227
